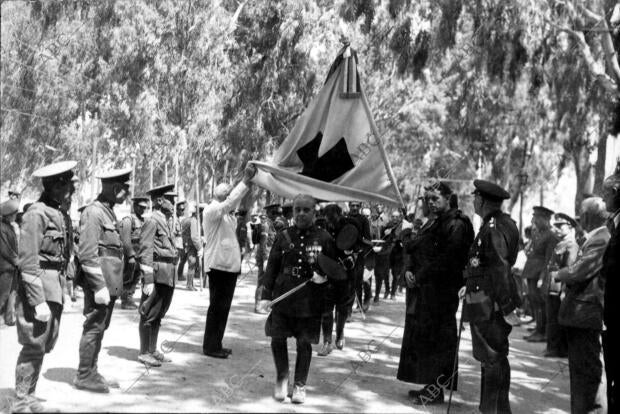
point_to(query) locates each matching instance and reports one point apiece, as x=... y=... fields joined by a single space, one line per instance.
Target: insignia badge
x=474 y=262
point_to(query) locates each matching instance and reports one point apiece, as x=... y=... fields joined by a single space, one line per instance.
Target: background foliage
x=515 y=90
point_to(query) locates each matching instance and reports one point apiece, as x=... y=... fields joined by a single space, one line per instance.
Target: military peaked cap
x=141 y=201
x=61 y=171
x=162 y=190
x=272 y=206
x=120 y=175
x=490 y=190
x=543 y=211
x=561 y=218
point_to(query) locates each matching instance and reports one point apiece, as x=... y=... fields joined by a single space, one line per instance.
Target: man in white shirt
x=222 y=260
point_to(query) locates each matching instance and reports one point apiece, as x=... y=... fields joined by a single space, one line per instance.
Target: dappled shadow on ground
x=65 y=375
x=130 y=354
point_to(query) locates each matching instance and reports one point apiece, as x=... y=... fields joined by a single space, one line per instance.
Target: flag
x=334 y=151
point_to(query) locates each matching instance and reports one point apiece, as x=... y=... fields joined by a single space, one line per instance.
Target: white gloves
x=512 y=319
x=264 y=305
x=102 y=296
x=147 y=289
x=318 y=279
x=42 y=312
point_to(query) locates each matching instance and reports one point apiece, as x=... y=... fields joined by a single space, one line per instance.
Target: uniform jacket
x=267 y=237
x=363 y=226
x=42 y=254
x=582 y=307
x=190 y=229
x=564 y=254
x=158 y=253
x=611 y=274
x=8 y=248
x=100 y=250
x=178 y=231
x=491 y=257
x=539 y=255
x=129 y=229
x=291 y=264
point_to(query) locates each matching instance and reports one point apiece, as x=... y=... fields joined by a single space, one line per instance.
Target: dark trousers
x=302 y=363
x=537 y=303
x=556 y=337
x=152 y=309
x=97 y=321
x=131 y=275
x=193 y=266
x=221 y=290
x=339 y=297
x=8 y=292
x=181 y=265
x=398 y=272
x=586 y=370
x=611 y=344
x=37 y=338
x=490 y=347
x=382 y=274
x=260 y=266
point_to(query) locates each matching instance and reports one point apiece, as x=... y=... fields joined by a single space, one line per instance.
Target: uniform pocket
x=110 y=236
x=51 y=244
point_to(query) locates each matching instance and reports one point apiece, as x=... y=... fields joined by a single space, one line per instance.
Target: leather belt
x=160 y=259
x=294 y=271
x=106 y=251
x=51 y=265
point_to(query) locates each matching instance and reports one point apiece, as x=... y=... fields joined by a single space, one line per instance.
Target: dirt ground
x=360 y=378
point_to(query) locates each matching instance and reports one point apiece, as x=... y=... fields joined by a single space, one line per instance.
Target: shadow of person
x=130 y=354
x=65 y=375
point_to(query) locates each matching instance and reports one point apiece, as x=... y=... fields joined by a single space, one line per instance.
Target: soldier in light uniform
x=491 y=294
x=129 y=229
x=178 y=237
x=8 y=259
x=42 y=260
x=157 y=257
x=292 y=261
x=100 y=252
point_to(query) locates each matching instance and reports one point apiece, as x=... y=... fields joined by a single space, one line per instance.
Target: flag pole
x=375 y=132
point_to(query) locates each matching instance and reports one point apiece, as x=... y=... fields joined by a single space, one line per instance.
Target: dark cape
x=437 y=257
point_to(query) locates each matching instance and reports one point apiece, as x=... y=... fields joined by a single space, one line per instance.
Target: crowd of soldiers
x=314 y=269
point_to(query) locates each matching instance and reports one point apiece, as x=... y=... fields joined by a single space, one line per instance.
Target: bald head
x=593 y=213
x=303 y=210
x=304 y=198
x=222 y=191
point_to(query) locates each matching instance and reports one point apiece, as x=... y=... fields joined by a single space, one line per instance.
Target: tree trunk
x=599 y=168
x=581 y=173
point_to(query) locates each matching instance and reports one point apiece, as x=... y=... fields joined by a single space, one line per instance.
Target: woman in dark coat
x=434 y=275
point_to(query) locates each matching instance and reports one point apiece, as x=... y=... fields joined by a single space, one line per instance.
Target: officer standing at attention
x=293 y=261
x=177 y=231
x=157 y=257
x=129 y=229
x=42 y=261
x=100 y=253
x=8 y=259
x=491 y=294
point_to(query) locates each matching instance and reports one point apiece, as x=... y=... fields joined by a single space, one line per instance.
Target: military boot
x=26 y=377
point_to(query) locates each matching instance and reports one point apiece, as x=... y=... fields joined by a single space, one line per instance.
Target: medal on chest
x=312 y=252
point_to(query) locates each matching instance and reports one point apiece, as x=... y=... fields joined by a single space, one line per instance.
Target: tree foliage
x=457 y=87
